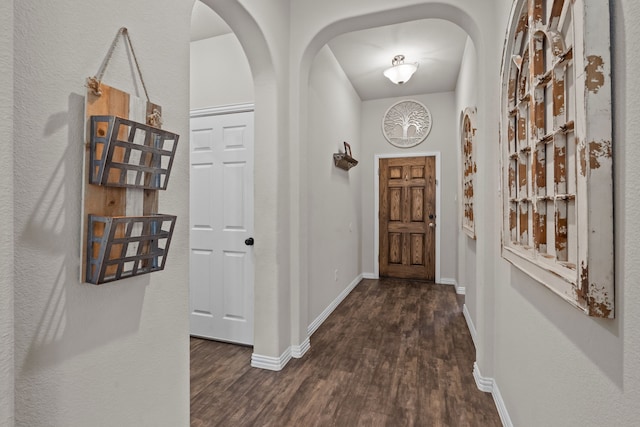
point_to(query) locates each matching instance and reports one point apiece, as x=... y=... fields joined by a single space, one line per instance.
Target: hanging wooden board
x=111 y=201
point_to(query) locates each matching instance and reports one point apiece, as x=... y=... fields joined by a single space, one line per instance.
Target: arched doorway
x=221 y=191
x=301 y=124
x=266 y=95
x=282 y=119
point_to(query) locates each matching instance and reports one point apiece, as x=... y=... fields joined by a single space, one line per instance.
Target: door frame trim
x=223 y=109
x=376 y=206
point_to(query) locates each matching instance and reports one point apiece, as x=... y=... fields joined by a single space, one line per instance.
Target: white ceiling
x=205 y=23
x=437 y=46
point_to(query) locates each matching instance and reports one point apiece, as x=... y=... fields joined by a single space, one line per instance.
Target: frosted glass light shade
x=400 y=72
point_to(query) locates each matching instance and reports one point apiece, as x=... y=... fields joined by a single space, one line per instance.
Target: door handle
x=249 y=241
x=431 y=224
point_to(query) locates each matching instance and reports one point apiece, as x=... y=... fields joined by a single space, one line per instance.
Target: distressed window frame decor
x=556 y=145
x=469 y=169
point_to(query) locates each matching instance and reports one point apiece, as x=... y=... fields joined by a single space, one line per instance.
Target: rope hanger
x=93 y=83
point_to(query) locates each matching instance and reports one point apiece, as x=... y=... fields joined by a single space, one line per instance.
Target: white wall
x=467 y=84
x=6 y=213
x=264 y=36
x=263 y=31
x=466 y=97
x=334 y=194
x=553 y=364
x=442 y=138
x=220 y=73
x=86 y=355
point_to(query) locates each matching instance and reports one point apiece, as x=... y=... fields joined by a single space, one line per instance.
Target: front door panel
x=407 y=217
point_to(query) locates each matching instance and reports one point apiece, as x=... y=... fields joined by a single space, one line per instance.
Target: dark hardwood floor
x=394 y=353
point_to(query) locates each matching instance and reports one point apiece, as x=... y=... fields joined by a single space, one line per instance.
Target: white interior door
x=221 y=195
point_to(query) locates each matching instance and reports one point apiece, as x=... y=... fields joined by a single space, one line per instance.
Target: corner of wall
x=489 y=385
x=271 y=363
x=470 y=325
x=7 y=369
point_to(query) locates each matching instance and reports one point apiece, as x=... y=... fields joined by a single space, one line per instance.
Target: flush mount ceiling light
x=400 y=72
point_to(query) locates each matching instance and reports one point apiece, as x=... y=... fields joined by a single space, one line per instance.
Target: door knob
x=249 y=241
x=431 y=225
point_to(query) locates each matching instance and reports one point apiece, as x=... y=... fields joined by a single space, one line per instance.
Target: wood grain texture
x=101 y=200
x=150 y=201
x=394 y=353
x=407 y=199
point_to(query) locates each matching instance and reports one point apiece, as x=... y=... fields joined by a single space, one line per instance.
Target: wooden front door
x=408 y=218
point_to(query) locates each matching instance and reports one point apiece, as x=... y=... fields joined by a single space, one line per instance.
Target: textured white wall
x=334 y=194
x=6 y=213
x=220 y=73
x=467 y=84
x=466 y=96
x=442 y=138
x=85 y=355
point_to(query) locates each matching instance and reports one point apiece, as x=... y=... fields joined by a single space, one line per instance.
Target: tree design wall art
x=406 y=123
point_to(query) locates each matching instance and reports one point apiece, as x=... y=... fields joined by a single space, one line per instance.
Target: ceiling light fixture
x=400 y=72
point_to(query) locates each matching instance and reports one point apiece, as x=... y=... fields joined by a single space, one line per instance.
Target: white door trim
x=376 y=206
x=223 y=109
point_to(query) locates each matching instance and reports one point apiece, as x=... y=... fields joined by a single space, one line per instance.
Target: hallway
x=394 y=353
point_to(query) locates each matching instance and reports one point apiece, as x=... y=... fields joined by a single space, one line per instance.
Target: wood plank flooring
x=394 y=353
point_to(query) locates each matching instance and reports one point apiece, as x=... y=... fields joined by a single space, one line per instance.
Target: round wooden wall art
x=406 y=123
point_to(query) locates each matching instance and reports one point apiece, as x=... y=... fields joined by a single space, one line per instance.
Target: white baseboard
x=489 y=385
x=470 y=325
x=370 y=276
x=271 y=363
x=327 y=311
x=502 y=409
x=483 y=383
x=298 y=351
x=460 y=290
x=447 y=281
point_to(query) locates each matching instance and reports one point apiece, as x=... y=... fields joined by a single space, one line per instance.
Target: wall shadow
x=77 y=317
